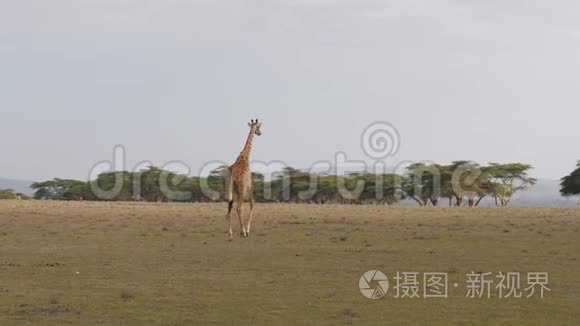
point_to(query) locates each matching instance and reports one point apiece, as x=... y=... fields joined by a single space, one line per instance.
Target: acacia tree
x=7 y=194
x=423 y=183
x=215 y=181
x=258 y=186
x=570 y=184
x=11 y=194
x=327 y=191
x=106 y=182
x=382 y=189
x=506 y=179
x=291 y=185
x=60 y=189
x=466 y=180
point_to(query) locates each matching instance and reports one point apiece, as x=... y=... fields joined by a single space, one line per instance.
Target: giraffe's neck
x=244 y=156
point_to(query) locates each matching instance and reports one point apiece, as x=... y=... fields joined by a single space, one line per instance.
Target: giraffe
x=239 y=184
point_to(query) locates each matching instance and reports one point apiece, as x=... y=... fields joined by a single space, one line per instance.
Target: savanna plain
x=104 y=263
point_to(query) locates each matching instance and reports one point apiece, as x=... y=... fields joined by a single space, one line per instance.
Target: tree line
x=12 y=194
x=461 y=183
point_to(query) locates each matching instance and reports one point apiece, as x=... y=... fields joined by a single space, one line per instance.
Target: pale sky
x=179 y=80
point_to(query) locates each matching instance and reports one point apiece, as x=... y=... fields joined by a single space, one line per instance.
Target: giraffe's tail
x=229 y=192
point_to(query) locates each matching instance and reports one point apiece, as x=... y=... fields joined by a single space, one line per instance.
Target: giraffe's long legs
x=229 y=217
x=240 y=211
x=252 y=202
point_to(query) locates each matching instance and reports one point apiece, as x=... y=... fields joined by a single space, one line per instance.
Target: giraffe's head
x=255 y=127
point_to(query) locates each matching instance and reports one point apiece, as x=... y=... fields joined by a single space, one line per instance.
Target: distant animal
x=239 y=183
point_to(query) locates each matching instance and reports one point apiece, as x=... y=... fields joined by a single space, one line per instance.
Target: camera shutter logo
x=377 y=278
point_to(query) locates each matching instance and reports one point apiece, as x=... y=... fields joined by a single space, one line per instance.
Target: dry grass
x=171 y=264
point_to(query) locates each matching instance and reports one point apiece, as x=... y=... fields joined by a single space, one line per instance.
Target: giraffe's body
x=239 y=184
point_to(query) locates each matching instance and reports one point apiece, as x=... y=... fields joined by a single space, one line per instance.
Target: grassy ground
x=171 y=264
